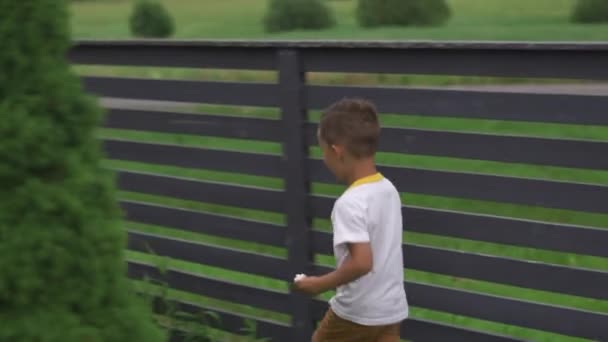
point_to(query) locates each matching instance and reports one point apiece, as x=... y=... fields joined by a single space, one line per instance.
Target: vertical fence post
x=297 y=185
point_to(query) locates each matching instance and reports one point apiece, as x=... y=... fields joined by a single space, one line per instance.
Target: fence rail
x=298 y=170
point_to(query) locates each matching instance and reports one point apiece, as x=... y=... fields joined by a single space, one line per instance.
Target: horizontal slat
x=525 y=233
x=415 y=329
x=436 y=58
x=549 y=108
x=194 y=157
x=447 y=59
x=209 y=255
x=222 y=290
x=205 y=223
x=184 y=55
x=544 y=151
x=195 y=124
x=533 y=192
x=244 y=94
x=560 y=320
x=425 y=330
x=227 y=321
x=192 y=190
x=519 y=232
x=529 y=274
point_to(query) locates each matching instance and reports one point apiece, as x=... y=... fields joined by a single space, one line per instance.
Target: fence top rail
x=352 y=44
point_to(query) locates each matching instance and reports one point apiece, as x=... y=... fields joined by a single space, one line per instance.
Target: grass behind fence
x=472 y=20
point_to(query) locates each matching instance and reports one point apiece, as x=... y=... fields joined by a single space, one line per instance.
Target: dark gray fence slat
x=194 y=157
x=533 y=192
x=425 y=330
x=186 y=55
x=560 y=320
x=547 y=108
x=240 y=94
x=222 y=290
x=205 y=223
x=519 y=232
x=196 y=124
x=188 y=189
x=529 y=274
x=435 y=58
x=415 y=329
x=445 y=58
x=228 y=321
x=235 y=260
x=480 y=146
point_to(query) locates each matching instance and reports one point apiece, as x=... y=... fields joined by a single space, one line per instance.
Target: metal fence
x=295 y=97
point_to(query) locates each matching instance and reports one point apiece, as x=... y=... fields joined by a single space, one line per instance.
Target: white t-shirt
x=370 y=211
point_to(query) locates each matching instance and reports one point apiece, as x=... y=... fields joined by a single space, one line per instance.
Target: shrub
x=287 y=15
x=62 y=269
x=590 y=11
x=373 y=13
x=150 y=19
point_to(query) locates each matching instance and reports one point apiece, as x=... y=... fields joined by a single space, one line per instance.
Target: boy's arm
x=358 y=264
x=350 y=229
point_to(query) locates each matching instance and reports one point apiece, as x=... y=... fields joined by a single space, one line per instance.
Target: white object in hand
x=299 y=277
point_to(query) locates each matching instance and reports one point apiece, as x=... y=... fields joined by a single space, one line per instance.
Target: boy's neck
x=362 y=168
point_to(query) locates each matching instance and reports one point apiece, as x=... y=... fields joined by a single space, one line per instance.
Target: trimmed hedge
x=590 y=11
x=288 y=15
x=374 y=13
x=150 y=19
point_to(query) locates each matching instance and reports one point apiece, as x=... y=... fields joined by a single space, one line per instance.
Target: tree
x=62 y=272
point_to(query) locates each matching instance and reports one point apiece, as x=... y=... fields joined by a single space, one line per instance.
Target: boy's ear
x=338 y=150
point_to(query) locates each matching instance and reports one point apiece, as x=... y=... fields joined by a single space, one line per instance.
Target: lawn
x=472 y=20
x=536 y=20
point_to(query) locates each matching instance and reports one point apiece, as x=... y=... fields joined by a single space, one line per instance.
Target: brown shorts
x=335 y=329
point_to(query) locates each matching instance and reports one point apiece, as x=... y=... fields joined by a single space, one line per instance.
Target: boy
x=370 y=302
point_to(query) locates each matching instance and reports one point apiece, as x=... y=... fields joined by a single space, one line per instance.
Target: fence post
x=297 y=184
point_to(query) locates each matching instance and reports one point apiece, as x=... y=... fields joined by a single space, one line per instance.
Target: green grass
x=241 y=19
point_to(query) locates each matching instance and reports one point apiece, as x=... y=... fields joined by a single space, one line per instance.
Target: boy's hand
x=309 y=285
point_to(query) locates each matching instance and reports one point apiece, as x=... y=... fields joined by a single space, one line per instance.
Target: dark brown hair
x=353 y=123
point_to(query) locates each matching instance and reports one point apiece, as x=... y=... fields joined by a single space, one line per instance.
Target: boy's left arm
x=358 y=264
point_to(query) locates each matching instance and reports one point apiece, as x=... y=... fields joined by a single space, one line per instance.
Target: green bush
x=373 y=13
x=590 y=11
x=150 y=19
x=288 y=15
x=62 y=268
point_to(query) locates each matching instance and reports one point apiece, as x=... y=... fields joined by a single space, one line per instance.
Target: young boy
x=370 y=302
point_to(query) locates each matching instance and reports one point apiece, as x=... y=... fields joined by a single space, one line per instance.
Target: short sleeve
x=349 y=222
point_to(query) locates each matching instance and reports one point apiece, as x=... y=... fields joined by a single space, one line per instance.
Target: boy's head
x=348 y=133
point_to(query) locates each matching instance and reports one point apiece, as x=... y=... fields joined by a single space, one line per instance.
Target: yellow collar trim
x=369 y=179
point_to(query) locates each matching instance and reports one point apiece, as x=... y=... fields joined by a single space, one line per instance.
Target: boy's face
x=333 y=156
